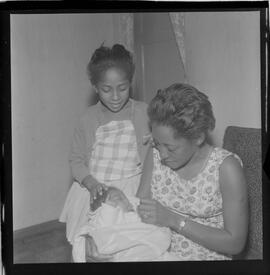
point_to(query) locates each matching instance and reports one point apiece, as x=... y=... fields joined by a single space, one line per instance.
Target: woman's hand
x=151 y=211
x=91 y=252
x=94 y=187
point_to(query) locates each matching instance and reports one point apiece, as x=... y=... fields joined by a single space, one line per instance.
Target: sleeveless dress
x=114 y=161
x=199 y=198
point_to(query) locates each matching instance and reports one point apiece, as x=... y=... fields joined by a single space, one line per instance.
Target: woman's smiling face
x=174 y=152
x=113 y=89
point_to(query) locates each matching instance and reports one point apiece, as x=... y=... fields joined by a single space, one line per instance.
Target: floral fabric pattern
x=199 y=198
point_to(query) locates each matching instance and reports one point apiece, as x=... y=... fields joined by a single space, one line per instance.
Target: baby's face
x=116 y=198
x=113 y=197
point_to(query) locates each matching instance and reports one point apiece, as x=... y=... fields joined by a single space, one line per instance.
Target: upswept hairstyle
x=104 y=58
x=185 y=109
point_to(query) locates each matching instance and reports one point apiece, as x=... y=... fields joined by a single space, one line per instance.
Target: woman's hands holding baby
x=153 y=212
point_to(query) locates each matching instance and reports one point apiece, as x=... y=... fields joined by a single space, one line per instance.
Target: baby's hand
x=117 y=198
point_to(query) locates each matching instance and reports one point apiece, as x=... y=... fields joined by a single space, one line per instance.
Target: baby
x=113 y=197
x=116 y=229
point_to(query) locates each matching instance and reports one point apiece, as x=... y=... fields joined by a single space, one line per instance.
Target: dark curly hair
x=185 y=109
x=105 y=58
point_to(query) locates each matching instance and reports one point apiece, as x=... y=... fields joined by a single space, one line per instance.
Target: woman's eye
x=124 y=87
x=105 y=90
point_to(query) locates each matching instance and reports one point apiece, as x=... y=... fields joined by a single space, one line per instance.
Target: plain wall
x=223 y=60
x=50 y=91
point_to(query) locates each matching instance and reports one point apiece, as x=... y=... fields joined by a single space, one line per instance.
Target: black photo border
x=216 y=267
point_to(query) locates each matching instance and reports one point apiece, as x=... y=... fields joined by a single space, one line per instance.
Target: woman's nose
x=115 y=95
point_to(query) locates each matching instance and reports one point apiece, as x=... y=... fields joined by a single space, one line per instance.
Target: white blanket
x=124 y=235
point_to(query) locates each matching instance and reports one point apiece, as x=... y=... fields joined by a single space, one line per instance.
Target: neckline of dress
x=204 y=166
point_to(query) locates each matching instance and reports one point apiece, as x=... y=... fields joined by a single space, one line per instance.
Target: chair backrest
x=246 y=143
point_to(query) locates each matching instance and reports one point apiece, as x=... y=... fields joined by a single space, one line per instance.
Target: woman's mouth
x=115 y=105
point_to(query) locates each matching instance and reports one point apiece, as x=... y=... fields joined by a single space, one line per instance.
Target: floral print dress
x=199 y=198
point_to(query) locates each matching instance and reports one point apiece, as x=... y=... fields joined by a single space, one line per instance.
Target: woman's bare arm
x=230 y=239
x=144 y=190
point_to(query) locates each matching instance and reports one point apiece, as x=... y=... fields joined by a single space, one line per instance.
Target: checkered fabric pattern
x=115 y=155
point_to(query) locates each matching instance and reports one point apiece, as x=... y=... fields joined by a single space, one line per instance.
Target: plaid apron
x=115 y=153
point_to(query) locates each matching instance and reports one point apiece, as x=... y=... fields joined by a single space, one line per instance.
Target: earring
x=200 y=139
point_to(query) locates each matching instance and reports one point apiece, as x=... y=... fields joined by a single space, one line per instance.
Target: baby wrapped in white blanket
x=117 y=229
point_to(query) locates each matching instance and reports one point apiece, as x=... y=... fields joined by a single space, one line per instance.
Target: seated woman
x=115 y=231
x=196 y=190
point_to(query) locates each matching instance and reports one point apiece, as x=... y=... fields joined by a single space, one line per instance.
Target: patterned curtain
x=178 y=24
x=124 y=30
